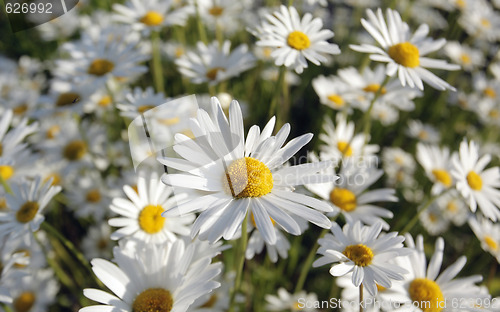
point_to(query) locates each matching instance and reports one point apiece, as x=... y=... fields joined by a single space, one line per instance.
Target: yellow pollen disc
x=344 y=148
x=152 y=18
x=6 y=172
x=360 y=254
x=426 y=294
x=100 y=67
x=150 y=219
x=102 y=244
x=3 y=204
x=170 y=121
x=343 y=198
x=491 y=242
x=460 y=3
x=452 y=206
x=442 y=176
x=489 y=92
x=423 y=135
x=75 y=150
x=494 y=113
x=56 y=179
x=465 y=58
x=373 y=88
x=336 y=99
x=252 y=219
x=21 y=109
x=267 y=52
x=24 y=302
x=179 y=52
x=153 y=300
x=212 y=73
x=433 y=217
x=104 y=101
x=298 y=40
x=474 y=181
x=399 y=160
x=296 y=306
x=52 y=132
x=27 y=212
x=210 y=302
x=405 y=54
x=143 y=108
x=67 y=99
x=93 y=196
x=486 y=23
x=248 y=177
x=26 y=253
x=216 y=11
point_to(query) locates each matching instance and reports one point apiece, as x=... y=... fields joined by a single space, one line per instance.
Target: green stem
x=277 y=92
x=416 y=217
x=6 y=185
x=5 y=307
x=367 y=120
x=307 y=264
x=239 y=261
x=156 y=63
x=201 y=27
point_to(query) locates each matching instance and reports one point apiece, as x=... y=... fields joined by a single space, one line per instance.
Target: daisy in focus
x=477 y=185
x=404 y=52
x=295 y=40
x=363 y=251
x=238 y=176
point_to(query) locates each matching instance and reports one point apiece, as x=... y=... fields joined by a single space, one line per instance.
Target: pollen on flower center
x=75 y=150
x=427 y=294
x=150 y=219
x=489 y=92
x=405 y=54
x=248 y=177
x=442 y=176
x=143 y=108
x=360 y=254
x=67 y=99
x=100 y=67
x=465 y=58
x=93 y=196
x=345 y=148
x=153 y=300
x=6 y=172
x=298 y=40
x=491 y=242
x=52 y=132
x=336 y=99
x=474 y=180
x=212 y=73
x=24 y=302
x=216 y=10
x=104 y=101
x=27 y=212
x=374 y=87
x=151 y=18
x=343 y=198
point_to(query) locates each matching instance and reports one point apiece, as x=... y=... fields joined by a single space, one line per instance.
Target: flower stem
x=361 y=297
x=5 y=185
x=367 y=120
x=416 y=217
x=239 y=261
x=307 y=264
x=157 y=66
x=277 y=92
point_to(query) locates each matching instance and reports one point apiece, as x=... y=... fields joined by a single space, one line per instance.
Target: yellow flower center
x=267 y=52
x=3 y=204
x=143 y=108
x=102 y=244
x=75 y=150
x=104 y=101
x=21 y=109
x=405 y=54
x=56 y=179
x=152 y=18
x=465 y=58
x=433 y=217
x=297 y=306
x=212 y=73
x=210 y=302
x=24 y=302
x=343 y=198
x=248 y=177
x=474 y=181
x=442 y=176
x=216 y=11
x=427 y=294
x=6 y=172
x=179 y=51
x=489 y=92
x=374 y=87
x=336 y=99
x=52 y=132
x=452 y=206
x=67 y=99
x=360 y=254
x=344 y=148
x=93 y=196
x=486 y=23
x=494 y=113
x=27 y=212
x=423 y=135
x=491 y=242
x=153 y=300
x=298 y=40
x=150 y=219
x=100 y=67
x=26 y=253
x=460 y=3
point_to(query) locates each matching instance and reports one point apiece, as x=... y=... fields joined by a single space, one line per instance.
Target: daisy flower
x=151 y=278
x=26 y=206
x=286 y=301
x=425 y=133
x=467 y=57
x=97 y=242
x=222 y=14
x=436 y=162
x=140 y=214
x=488 y=234
x=481 y=21
x=364 y=252
x=477 y=185
x=404 y=52
x=295 y=40
x=399 y=166
x=10 y=140
x=331 y=92
x=453 y=207
x=425 y=288
x=433 y=220
x=350 y=197
x=237 y=176
x=214 y=64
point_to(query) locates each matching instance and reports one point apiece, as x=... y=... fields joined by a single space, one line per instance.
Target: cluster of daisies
x=120 y=190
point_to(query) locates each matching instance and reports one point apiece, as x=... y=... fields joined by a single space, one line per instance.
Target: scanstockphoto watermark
x=336 y=303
